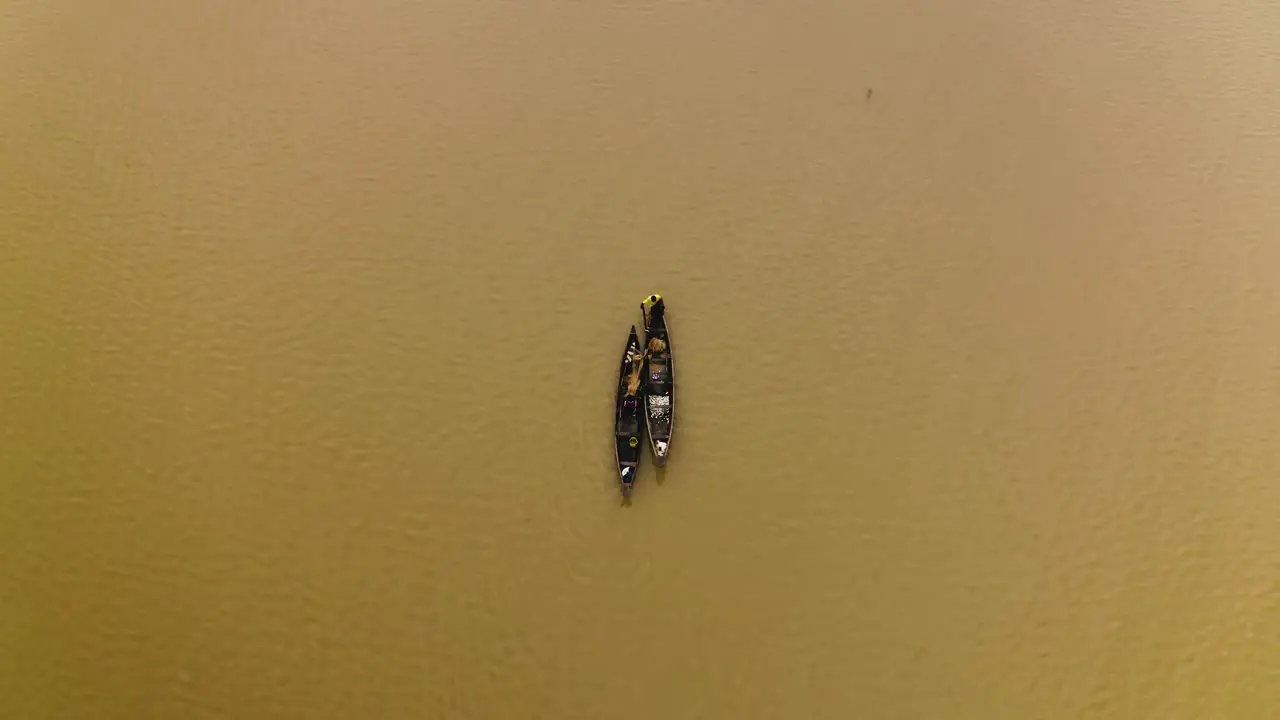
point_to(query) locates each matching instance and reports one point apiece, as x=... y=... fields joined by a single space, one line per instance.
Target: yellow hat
x=652 y=300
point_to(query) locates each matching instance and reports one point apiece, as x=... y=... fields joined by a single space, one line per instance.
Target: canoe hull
x=628 y=426
x=660 y=384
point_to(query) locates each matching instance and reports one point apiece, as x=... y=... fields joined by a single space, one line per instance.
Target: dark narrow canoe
x=660 y=380
x=627 y=422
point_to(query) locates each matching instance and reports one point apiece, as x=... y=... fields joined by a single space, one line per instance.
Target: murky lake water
x=312 y=315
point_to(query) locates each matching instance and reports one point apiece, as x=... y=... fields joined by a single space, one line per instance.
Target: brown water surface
x=311 y=314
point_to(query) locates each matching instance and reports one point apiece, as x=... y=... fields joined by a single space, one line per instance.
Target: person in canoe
x=655 y=308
